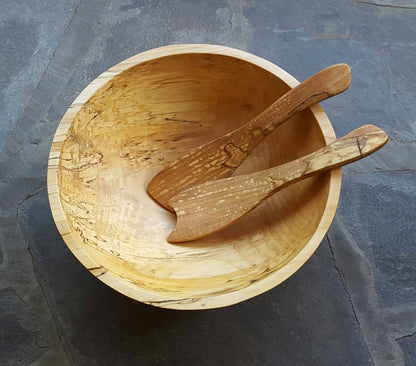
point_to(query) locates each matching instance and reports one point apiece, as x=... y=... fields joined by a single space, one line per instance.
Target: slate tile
x=380 y=211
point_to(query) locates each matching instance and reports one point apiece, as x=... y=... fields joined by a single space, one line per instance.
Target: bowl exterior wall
x=148 y=269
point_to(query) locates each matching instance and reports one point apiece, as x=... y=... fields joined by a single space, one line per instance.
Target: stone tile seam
x=380 y=171
x=344 y=285
x=334 y=262
x=60 y=337
x=392 y=336
x=28 y=197
x=386 y=5
x=406 y=336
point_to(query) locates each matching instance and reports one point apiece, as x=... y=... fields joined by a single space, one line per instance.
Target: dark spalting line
x=359 y=146
x=231 y=154
x=113 y=252
x=96 y=114
x=205 y=254
x=137 y=157
x=251 y=137
x=238 y=287
x=264 y=132
x=178 y=138
x=83 y=166
x=85 y=239
x=319 y=96
x=178 y=120
x=136 y=282
x=90 y=181
x=78 y=227
x=72 y=204
x=101 y=271
x=178 y=301
x=81 y=219
x=100 y=239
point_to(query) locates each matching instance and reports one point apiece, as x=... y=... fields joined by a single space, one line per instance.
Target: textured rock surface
x=353 y=303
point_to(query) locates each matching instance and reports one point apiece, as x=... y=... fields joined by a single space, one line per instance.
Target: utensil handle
x=351 y=147
x=324 y=84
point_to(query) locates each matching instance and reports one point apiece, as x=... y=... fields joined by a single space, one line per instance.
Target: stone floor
x=353 y=303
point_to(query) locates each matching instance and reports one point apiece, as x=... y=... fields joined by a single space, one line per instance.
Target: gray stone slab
x=306 y=320
x=380 y=212
x=21 y=339
x=408 y=345
x=30 y=31
x=28 y=331
x=373 y=240
x=29 y=34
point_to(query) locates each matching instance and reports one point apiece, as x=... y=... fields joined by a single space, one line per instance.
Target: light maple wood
x=212 y=206
x=144 y=113
x=220 y=158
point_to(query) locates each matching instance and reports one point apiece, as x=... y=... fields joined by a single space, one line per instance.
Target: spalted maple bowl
x=143 y=113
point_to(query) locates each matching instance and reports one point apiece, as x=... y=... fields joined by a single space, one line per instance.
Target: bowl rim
x=178 y=302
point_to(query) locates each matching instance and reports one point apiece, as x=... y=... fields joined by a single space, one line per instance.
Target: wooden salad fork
x=209 y=207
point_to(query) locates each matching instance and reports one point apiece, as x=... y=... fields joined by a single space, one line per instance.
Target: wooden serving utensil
x=221 y=157
x=209 y=207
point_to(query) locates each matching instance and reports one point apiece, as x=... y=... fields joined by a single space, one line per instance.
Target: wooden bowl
x=144 y=112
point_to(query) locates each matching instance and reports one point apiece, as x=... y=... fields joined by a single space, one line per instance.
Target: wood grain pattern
x=221 y=157
x=212 y=206
x=144 y=113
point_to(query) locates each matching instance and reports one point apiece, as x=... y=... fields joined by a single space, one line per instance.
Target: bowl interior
x=147 y=116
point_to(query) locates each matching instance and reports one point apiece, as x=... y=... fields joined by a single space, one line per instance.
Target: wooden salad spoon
x=221 y=157
x=209 y=207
